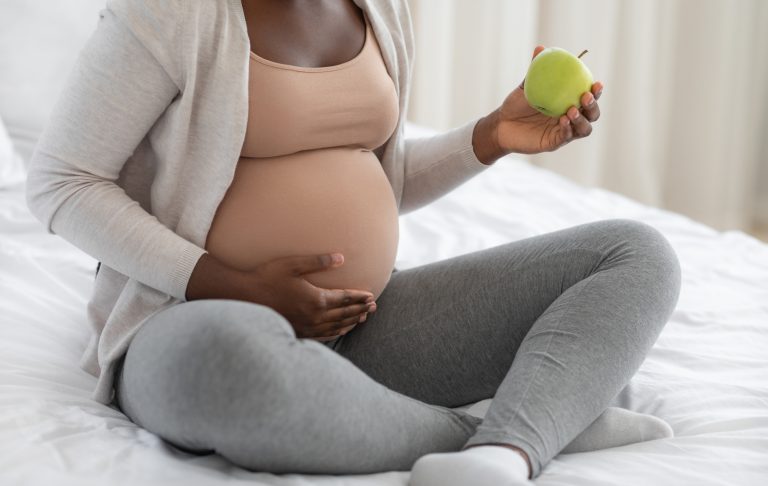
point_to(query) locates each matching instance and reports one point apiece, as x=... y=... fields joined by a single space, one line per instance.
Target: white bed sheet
x=707 y=375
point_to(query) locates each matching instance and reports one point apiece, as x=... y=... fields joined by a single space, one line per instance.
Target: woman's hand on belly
x=313 y=312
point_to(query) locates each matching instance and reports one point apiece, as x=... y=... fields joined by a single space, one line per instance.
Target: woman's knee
x=190 y=358
x=209 y=330
x=642 y=241
x=654 y=262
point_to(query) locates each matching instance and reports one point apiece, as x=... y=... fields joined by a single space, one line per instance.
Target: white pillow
x=11 y=166
x=39 y=43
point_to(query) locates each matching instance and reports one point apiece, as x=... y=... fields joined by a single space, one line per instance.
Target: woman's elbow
x=39 y=193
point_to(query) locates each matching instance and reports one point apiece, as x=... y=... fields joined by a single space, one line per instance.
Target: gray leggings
x=552 y=327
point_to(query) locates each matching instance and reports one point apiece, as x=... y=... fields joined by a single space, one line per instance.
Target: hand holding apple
x=555 y=81
x=521 y=128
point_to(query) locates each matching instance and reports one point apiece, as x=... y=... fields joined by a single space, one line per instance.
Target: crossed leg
x=552 y=327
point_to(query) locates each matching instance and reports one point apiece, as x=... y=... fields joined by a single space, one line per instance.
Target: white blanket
x=707 y=375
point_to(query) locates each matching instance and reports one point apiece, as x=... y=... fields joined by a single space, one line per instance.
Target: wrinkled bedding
x=707 y=375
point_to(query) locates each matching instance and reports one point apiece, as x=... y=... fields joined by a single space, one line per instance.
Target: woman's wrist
x=485 y=139
x=211 y=279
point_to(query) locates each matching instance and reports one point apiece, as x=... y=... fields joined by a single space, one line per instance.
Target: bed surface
x=707 y=374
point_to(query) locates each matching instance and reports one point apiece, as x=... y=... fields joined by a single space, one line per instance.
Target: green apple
x=556 y=80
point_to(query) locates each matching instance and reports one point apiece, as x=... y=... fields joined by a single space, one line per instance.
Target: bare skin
x=318 y=33
x=307 y=33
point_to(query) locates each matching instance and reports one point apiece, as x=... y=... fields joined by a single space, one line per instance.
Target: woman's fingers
x=327 y=329
x=331 y=335
x=581 y=120
x=581 y=126
x=334 y=329
x=339 y=321
x=589 y=107
x=597 y=89
x=345 y=297
x=564 y=133
x=341 y=313
x=324 y=339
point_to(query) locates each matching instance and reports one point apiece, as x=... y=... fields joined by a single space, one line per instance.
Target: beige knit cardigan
x=142 y=145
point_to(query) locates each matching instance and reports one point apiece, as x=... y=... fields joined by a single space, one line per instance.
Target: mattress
x=707 y=375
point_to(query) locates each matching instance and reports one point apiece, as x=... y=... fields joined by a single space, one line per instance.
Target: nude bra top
x=294 y=108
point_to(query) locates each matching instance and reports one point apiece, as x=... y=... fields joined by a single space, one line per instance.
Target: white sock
x=617 y=427
x=613 y=428
x=484 y=465
x=488 y=465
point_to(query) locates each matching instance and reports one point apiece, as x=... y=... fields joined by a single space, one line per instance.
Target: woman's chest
x=315 y=33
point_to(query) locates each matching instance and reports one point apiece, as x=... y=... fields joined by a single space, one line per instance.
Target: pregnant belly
x=311 y=202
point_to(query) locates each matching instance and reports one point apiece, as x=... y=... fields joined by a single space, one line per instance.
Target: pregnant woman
x=214 y=155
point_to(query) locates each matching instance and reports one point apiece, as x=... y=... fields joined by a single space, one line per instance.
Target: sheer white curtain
x=684 y=121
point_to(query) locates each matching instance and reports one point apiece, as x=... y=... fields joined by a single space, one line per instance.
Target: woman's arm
x=114 y=95
x=438 y=164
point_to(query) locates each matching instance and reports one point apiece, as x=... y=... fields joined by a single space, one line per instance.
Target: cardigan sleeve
x=432 y=166
x=113 y=96
x=438 y=164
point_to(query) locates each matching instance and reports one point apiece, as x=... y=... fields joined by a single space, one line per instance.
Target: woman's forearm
x=211 y=279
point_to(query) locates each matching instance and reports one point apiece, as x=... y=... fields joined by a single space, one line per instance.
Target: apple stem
x=585 y=51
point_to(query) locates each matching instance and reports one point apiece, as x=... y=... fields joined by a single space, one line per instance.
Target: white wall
x=684 y=109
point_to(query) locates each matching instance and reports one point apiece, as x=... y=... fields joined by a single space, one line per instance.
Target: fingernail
x=591 y=100
x=372 y=307
x=369 y=300
x=363 y=318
